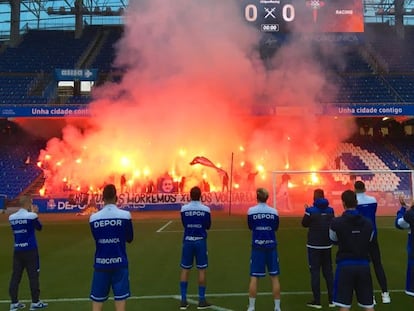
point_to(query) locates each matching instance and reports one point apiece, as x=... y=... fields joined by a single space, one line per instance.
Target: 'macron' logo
x=315 y=5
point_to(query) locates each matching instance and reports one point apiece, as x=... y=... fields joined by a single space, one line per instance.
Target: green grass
x=66 y=250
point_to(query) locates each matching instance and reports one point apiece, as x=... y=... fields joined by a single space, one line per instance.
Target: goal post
x=291 y=189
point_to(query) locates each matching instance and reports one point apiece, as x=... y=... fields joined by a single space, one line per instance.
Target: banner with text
x=76 y=74
x=44 y=111
x=360 y=110
x=143 y=201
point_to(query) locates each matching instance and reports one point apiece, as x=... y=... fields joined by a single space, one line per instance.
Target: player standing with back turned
x=196 y=220
x=111 y=228
x=367 y=206
x=263 y=221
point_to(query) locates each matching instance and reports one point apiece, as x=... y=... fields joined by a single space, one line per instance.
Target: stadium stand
x=379 y=70
x=18 y=157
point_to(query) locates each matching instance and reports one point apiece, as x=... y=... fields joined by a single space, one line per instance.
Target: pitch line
x=165 y=226
x=217 y=295
x=195 y=302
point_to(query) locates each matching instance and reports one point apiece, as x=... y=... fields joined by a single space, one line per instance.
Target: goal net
x=291 y=190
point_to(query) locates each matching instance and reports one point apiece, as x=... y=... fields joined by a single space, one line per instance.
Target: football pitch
x=66 y=258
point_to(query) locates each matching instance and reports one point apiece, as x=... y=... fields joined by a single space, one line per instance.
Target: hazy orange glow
x=201 y=96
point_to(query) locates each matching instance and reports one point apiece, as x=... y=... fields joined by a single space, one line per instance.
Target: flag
x=206 y=162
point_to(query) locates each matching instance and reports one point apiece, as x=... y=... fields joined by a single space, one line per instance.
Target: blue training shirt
x=367 y=206
x=196 y=219
x=111 y=228
x=263 y=220
x=24 y=224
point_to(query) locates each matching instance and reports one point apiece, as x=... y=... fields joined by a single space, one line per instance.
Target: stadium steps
x=93 y=50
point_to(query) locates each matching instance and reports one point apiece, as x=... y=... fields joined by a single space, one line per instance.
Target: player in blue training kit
x=318 y=218
x=405 y=220
x=196 y=220
x=24 y=223
x=353 y=233
x=111 y=228
x=263 y=221
x=367 y=206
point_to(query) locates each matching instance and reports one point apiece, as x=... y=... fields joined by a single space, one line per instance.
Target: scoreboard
x=305 y=16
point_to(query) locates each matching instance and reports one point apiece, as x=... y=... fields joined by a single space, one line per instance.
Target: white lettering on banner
x=21 y=244
x=72 y=72
x=142 y=201
x=59 y=111
x=107 y=222
x=263 y=216
x=195 y=213
x=67 y=206
x=170 y=198
x=108 y=261
x=18 y=222
x=370 y=110
x=40 y=111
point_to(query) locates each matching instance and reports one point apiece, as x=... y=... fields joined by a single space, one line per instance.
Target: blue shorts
x=350 y=278
x=197 y=250
x=262 y=258
x=104 y=280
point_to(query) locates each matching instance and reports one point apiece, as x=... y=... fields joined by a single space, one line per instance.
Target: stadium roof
x=59 y=14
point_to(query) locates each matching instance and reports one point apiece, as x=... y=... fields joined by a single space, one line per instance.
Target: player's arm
x=306 y=220
x=183 y=219
x=129 y=232
x=276 y=223
x=207 y=223
x=400 y=222
x=332 y=234
x=250 y=222
x=371 y=237
x=37 y=224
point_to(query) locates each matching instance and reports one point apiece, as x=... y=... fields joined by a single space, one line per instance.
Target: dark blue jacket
x=318 y=219
x=353 y=234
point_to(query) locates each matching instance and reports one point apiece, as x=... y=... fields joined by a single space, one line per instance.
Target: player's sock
x=277 y=304
x=183 y=289
x=202 y=293
x=252 y=302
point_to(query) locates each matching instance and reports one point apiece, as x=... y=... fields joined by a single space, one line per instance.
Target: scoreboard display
x=305 y=16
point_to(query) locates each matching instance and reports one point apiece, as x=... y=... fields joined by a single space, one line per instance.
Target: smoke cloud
x=195 y=84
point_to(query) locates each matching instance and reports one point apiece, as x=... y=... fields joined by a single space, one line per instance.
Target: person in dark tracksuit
x=24 y=222
x=367 y=206
x=353 y=234
x=318 y=218
x=405 y=220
